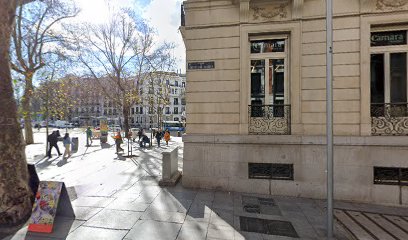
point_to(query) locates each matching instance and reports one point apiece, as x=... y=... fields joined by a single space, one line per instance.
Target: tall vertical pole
x=329 y=114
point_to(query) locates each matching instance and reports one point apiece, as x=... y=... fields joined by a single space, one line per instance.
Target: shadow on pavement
x=120 y=157
x=106 y=145
x=62 y=162
x=45 y=162
x=62 y=227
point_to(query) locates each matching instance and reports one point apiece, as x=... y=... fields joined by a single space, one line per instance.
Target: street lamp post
x=329 y=114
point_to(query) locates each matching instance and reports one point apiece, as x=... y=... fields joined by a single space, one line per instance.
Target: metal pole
x=329 y=114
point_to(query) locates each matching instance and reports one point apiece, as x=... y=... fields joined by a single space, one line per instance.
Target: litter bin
x=178 y=134
x=74 y=145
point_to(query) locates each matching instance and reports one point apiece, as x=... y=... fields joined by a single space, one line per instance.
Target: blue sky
x=163 y=15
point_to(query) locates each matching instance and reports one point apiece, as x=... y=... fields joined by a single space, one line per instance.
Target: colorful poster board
x=51 y=200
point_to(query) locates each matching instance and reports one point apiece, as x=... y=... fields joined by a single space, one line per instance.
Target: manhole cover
x=252 y=208
x=270 y=227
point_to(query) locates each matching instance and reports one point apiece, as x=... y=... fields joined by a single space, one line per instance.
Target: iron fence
x=389 y=119
x=269 y=119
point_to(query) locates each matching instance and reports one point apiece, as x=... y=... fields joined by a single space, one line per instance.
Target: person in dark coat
x=144 y=139
x=53 y=142
x=158 y=136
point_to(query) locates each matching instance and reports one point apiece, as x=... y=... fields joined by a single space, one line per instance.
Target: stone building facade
x=256 y=98
x=169 y=87
x=92 y=105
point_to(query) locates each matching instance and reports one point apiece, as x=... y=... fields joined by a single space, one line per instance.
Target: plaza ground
x=115 y=197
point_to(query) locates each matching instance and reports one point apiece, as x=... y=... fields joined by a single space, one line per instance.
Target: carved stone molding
x=244 y=10
x=263 y=13
x=390 y=4
x=297 y=9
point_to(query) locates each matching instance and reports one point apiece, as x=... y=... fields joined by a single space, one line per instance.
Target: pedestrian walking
x=53 y=142
x=158 y=137
x=67 y=144
x=118 y=142
x=167 y=137
x=88 y=136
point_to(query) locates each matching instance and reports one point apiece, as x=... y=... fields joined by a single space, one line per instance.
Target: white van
x=60 y=124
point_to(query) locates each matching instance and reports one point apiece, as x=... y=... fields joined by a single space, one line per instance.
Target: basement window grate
x=391 y=176
x=276 y=171
x=270 y=227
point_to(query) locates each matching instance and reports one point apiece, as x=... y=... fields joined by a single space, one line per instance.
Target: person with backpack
x=53 y=142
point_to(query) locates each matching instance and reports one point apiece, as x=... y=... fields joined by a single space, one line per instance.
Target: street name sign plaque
x=201 y=65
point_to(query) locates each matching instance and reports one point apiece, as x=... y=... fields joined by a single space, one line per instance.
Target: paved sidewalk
x=119 y=198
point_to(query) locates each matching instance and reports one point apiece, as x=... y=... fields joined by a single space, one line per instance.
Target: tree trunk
x=126 y=113
x=25 y=103
x=15 y=194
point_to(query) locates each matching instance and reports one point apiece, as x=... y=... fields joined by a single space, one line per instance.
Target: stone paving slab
x=114 y=219
x=122 y=200
x=128 y=205
x=91 y=233
x=153 y=230
x=366 y=225
x=85 y=213
x=164 y=216
x=92 y=201
x=193 y=230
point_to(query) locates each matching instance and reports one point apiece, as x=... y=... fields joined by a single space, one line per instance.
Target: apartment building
x=161 y=99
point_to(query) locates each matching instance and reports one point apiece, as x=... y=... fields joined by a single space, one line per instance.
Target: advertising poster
x=45 y=207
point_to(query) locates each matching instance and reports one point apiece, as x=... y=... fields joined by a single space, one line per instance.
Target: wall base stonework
x=221 y=162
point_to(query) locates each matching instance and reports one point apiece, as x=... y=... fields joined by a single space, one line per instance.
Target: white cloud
x=98 y=11
x=164 y=16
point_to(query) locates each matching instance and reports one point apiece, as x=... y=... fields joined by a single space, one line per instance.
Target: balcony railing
x=269 y=119
x=389 y=119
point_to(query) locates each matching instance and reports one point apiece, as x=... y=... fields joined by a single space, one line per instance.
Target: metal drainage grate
x=266 y=201
x=270 y=227
x=260 y=205
x=252 y=208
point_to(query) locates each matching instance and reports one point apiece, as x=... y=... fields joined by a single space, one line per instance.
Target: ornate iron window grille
x=276 y=171
x=391 y=176
x=269 y=119
x=389 y=119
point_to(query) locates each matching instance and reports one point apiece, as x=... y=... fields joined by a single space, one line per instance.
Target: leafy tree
x=34 y=40
x=118 y=55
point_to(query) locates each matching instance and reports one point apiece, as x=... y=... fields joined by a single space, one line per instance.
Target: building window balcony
x=269 y=119
x=389 y=119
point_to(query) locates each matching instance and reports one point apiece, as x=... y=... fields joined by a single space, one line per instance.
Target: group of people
x=143 y=138
x=55 y=136
x=159 y=135
x=53 y=139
